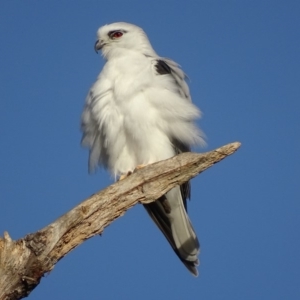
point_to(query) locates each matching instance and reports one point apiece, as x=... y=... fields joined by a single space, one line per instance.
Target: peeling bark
x=24 y=262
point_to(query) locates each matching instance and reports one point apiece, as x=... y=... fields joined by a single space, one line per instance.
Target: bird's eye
x=117 y=34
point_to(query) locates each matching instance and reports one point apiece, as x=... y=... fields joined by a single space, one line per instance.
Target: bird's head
x=122 y=36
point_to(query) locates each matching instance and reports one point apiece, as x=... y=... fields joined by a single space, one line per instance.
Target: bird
x=139 y=111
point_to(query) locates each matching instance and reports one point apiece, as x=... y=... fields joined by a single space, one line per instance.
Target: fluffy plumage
x=139 y=111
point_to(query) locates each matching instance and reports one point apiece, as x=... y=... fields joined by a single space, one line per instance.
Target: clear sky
x=242 y=58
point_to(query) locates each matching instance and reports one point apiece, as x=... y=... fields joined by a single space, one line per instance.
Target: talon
x=123 y=176
x=139 y=167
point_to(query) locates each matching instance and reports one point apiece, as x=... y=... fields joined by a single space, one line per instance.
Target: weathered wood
x=25 y=261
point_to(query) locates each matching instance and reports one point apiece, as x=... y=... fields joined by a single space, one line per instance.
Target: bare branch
x=25 y=261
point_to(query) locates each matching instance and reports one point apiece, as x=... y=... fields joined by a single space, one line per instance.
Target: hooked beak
x=98 y=45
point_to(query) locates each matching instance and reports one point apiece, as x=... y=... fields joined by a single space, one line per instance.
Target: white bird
x=138 y=112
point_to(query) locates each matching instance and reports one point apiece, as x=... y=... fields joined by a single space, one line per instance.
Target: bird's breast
x=129 y=76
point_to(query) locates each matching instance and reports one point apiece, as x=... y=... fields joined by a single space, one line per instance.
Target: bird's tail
x=171 y=217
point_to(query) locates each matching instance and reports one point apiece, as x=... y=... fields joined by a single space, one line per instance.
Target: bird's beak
x=98 y=45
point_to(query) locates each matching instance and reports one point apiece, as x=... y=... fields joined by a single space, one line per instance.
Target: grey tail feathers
x=169 y=214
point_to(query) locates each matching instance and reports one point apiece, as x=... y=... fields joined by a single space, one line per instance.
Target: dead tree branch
x=23 y=262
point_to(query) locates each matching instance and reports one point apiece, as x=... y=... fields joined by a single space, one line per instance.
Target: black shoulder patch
x=162 y=68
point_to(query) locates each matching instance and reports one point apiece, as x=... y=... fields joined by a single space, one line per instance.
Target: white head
x=122 y=36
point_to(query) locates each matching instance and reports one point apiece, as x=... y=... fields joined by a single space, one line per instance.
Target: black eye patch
x=116 y=33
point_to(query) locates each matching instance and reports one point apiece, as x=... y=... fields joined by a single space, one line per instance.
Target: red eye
x=117 y=34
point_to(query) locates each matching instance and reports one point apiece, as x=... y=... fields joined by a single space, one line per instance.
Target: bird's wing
x=170 y=211
x=165 y=66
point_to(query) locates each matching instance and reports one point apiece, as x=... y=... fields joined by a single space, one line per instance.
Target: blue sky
x=242 y=58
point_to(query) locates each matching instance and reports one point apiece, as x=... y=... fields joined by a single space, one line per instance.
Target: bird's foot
x=123 y=176
x=139 y=167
